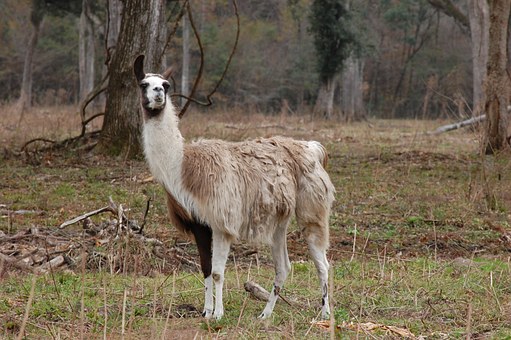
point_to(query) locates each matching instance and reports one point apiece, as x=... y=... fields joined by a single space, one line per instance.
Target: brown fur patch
x=179 y=217
x=198 y=172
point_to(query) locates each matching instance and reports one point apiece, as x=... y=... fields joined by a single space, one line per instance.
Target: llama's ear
x=138 y=67
x=168 y=72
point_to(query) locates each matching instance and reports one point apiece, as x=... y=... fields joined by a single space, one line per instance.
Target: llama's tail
x=319 y=152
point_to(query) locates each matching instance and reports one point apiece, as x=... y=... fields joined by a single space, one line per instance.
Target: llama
x=222 y=192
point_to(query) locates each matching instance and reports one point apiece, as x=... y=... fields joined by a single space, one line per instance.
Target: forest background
x=412 y=61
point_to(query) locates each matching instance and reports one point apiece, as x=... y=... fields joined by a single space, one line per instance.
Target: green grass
x=424 y=296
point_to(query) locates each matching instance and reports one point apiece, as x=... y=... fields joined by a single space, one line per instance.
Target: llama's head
x=153 y=87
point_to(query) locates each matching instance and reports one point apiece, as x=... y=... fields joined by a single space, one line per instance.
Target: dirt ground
x=400 y=191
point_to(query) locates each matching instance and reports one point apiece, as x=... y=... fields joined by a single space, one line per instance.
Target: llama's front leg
x=203 y=239
x=221 y=246
x=282 y=268
x=208 y=297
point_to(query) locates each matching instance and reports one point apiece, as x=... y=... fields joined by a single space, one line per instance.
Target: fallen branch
x=55 y=145
x=262 y=294
x=257 y=291
x=6 y=212
x=45 y=140
x=84 y=216
x=464 y=123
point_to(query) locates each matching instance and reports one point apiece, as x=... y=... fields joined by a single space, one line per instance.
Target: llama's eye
x=166 y=86
x=143 y=85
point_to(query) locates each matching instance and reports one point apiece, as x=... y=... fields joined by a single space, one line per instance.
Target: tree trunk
x=114 y=24
x=352 y=104
x=142 y=32
x=497 y=87
x=479 y=16
x=86 y=49
x=185 y=73
x=324 y=106
x=36 y=18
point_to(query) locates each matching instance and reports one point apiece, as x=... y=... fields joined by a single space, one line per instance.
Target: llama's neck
x=163 y=148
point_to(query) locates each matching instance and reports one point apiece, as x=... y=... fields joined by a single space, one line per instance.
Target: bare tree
x=477 y=23
x=185 y=72
x=324 y=105
x=142 y=31
x=478 y=13
x=352 y=102
x=113 y=25
x=497 y=86
x=36 y=19
x=86 y=49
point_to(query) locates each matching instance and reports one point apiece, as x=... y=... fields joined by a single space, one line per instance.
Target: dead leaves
x=368 y=327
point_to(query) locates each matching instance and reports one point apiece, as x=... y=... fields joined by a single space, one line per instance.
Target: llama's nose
x=158 y=89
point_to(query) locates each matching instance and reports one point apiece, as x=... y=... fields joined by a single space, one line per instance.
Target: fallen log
x=458 y=125
x=17 y=263
x=52 y=264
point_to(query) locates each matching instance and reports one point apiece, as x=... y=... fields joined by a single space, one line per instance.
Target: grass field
x=420 y=238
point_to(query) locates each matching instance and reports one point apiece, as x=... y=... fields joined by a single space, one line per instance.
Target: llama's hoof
x=208 y=313
x=218 y=315
x=263 y=316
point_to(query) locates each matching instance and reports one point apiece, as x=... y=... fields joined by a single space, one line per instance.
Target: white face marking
x=155 y=91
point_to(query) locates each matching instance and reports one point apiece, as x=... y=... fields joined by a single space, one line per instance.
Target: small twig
x=123 y=324
x=249 y=252
x=163 y=335
x=187 y=261
x=145 y=215
x=82 y=295
x=354 y=244
x=241 y=311
x=105 y=310
x=468 y=329
x=27 y=309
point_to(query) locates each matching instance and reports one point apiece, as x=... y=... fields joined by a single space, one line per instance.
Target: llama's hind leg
x=221 y=247
x=317 y=240
x=282 y=268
